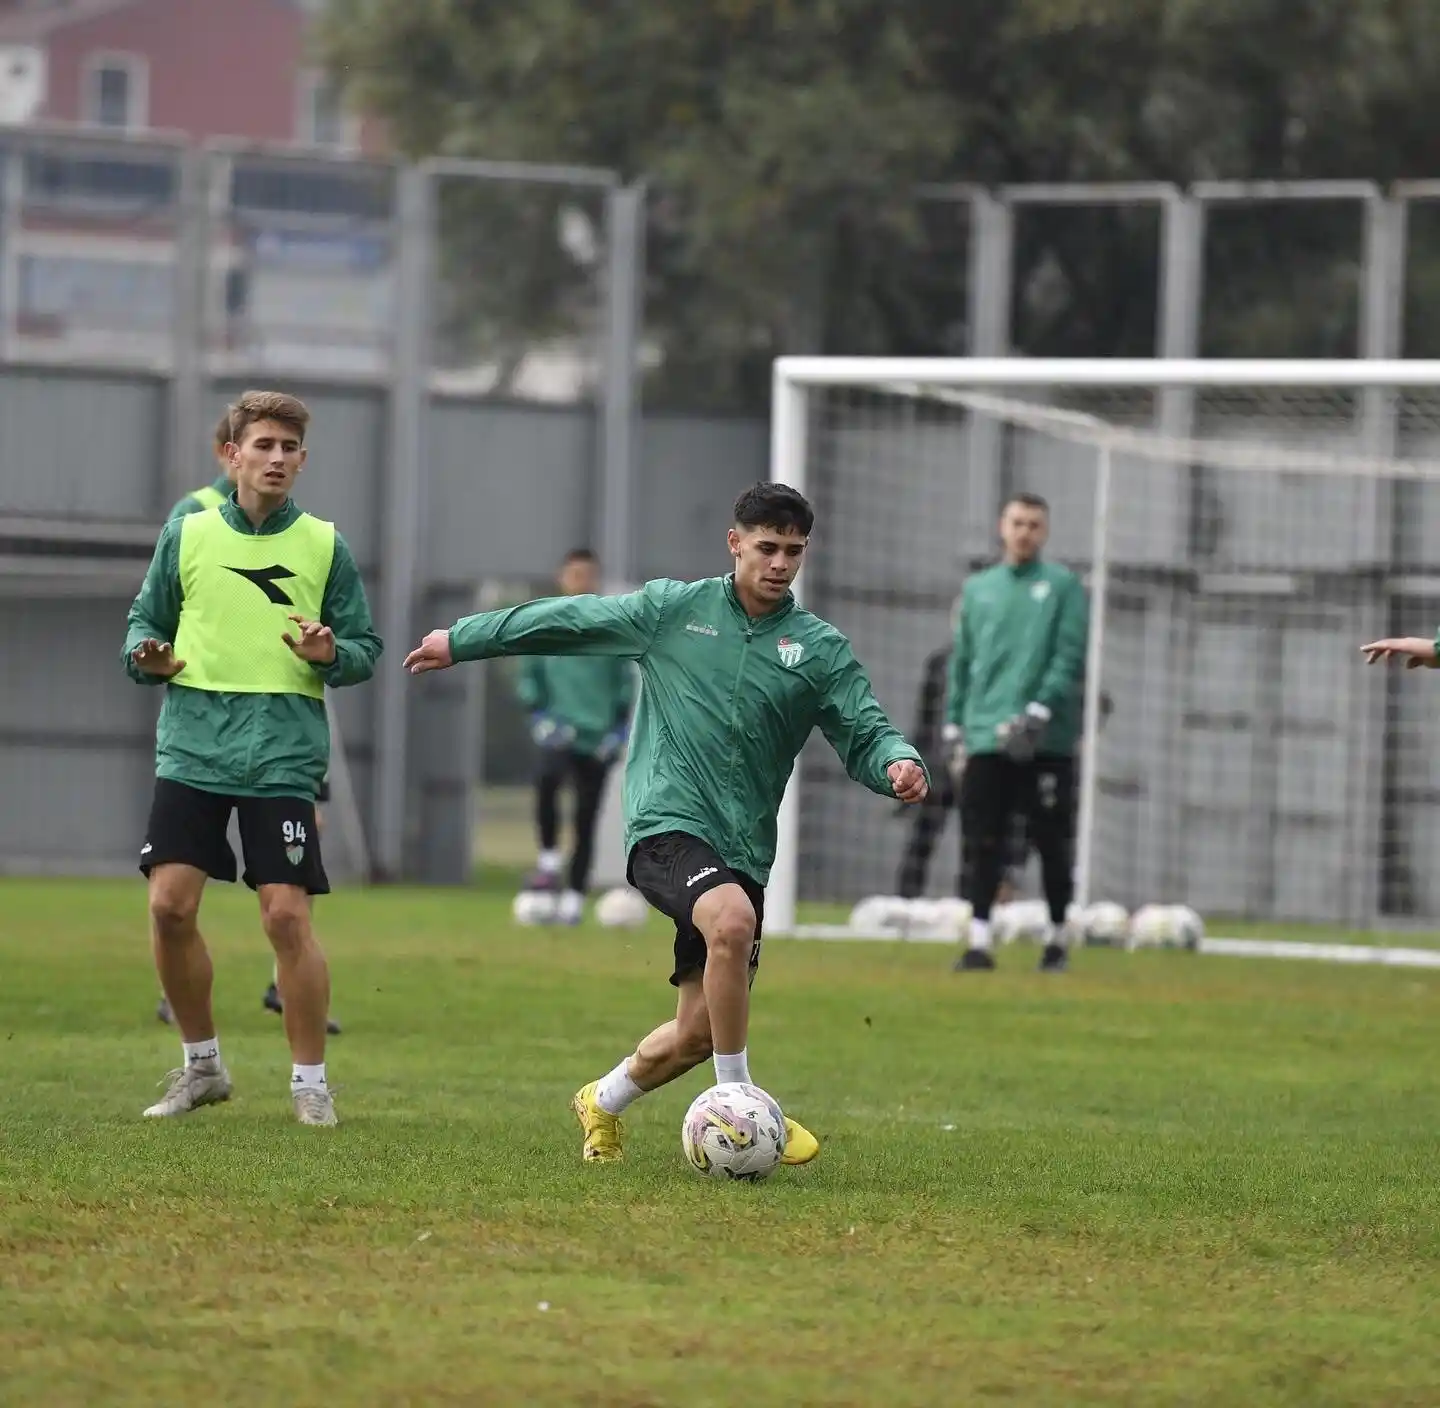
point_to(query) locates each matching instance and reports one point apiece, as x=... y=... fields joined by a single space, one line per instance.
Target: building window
x=323 y=119
x=116 y=91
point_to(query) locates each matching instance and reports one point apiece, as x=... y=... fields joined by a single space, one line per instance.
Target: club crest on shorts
x=294 y=854
x=790 y=652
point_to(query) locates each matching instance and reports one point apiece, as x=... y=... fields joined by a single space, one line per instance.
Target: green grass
x=1160 y=1179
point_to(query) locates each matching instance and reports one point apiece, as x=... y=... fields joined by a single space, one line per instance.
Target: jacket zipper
x=735 y=729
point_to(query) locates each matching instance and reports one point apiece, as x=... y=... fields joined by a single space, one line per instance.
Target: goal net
x=1241 y=529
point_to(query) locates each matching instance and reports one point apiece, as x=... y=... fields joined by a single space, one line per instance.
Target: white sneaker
x=314 y=1105
x=571 y=907
x=200 y=1083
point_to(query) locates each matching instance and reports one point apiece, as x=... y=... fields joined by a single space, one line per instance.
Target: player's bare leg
x=272 y=1001
x=186 y=975
x=305 y=990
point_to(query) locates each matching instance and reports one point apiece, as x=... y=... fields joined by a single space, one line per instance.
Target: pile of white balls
x=1103 y=924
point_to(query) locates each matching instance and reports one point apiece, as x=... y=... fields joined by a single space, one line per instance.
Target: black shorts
x=190 y=827
x=672 y=871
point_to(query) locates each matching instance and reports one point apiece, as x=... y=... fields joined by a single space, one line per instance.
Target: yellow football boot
x=600 y=1127
x=800 y=1145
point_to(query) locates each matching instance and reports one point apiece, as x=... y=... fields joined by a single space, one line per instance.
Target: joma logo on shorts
x=699 y=875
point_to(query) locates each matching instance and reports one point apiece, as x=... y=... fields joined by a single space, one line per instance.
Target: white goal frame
x=795 y=377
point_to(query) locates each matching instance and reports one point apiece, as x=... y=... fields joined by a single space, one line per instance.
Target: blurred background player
x=1013 y=722
x=579 y=709
x=246 y=614
x=928 y=819
x=736 y=676
x=196 y=501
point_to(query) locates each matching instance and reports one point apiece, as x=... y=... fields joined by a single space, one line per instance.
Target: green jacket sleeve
x=155 y=612
x=855 y=725
x=346 y=611
x=531 y=685
x=565 y=625
x=959 y=673
x=1067 y=661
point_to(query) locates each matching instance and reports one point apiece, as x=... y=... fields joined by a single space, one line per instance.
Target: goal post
x=1233 y=563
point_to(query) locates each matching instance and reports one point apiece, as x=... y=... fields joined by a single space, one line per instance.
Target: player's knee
x=730 y=930
x=173 y=910
x=285 y=915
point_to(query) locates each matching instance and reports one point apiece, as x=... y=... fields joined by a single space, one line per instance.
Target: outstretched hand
x=1415 y=651
x=433 y=653
x=907 y=777
x=316 y=643
x=153 y=657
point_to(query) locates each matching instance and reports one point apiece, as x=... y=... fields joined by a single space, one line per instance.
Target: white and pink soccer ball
x=733 y=1131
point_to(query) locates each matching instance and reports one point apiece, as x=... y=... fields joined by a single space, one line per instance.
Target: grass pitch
x=1158 y=1179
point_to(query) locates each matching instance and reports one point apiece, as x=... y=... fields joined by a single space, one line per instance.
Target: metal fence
x=459 y=435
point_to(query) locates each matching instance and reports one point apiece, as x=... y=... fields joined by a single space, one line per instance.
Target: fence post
x=403 y=510
x=625 y=249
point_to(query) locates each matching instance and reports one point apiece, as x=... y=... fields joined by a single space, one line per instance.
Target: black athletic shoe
x=164 y=1014
x=975 y=960
x=1055 y=959
x=272 y=1003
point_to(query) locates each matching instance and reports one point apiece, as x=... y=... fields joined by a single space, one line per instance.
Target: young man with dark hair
x=247 y=612
x=1013 y=722
x=734 y=676
x=579 y=713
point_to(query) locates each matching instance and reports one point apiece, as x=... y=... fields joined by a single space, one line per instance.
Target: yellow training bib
x=240 y=590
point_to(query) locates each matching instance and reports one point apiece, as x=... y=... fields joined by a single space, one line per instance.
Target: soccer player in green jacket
x=734 y=676
x=247 y=612
x=1013 y=721
x=579 y=714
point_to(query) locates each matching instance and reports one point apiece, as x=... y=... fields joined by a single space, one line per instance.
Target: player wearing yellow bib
x=247 y=612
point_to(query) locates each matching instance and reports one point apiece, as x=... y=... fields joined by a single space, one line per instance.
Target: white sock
x=312 y=1076
x=617 y=1092
x=207 y=1050
x=980 y=935
x=549 y=862
x=733 y=1068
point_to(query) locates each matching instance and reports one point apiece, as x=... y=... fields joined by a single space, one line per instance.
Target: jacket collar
x=759 y=623
x=278 y=521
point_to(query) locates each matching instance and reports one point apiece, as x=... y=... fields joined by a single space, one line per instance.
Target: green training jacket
x=194 y=503
x=726 y=703
x=249 y=745
x=593 y=696
x=1020 y=640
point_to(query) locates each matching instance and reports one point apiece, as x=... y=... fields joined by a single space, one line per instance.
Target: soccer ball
x=621 y=908
x=733 y=1131
x=534 y=907
x=1021 y=920
x=942 y=919
x=1104 y=924
x=1166 y=926
x=880 y=916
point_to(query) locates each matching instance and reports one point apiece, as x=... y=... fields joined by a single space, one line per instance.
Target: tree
x=784 y=141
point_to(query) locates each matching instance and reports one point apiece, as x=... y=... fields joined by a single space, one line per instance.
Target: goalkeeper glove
x=1020 y=737
x=550 y=732
x=613 y=744
x=952 y=736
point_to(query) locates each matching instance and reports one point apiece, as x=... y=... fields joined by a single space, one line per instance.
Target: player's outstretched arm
x=154 y=615
x=343 y=646
x=873 y=750
x=1415 y=651
x=562 y=625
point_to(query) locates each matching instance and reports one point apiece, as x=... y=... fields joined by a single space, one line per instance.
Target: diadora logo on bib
x=700 y=630
x=265 y=578
x=1040 y=591
x=790 y=652
x=699 y=875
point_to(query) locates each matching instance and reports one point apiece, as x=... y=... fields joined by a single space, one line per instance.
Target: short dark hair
x=767 y=505
x=578 y=555
x=1027 y=500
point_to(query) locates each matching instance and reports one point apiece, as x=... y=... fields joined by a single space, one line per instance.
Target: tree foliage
x=784 y=141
